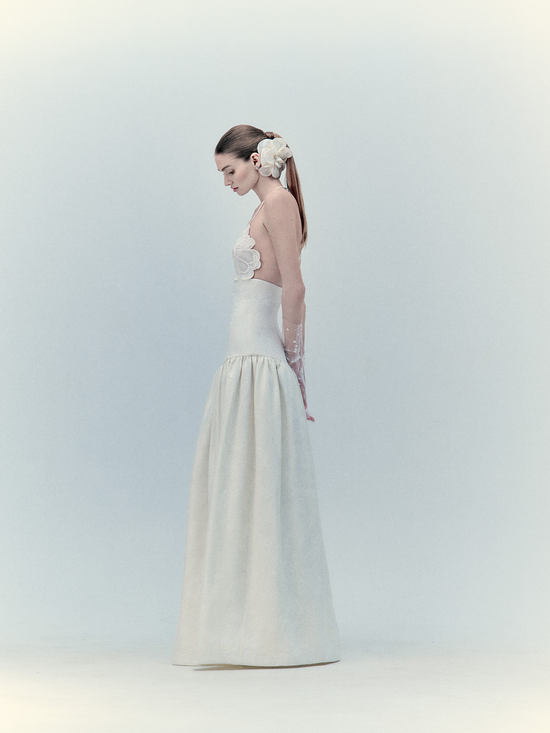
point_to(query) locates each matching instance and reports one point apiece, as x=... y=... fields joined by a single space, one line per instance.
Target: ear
x=255 y=158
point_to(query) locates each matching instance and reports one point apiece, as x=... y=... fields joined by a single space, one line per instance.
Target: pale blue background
x=420 y=132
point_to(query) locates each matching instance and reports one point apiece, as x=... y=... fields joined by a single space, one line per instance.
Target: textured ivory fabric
x=256 y=589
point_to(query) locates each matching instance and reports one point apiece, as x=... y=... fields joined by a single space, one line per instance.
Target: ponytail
x=293 y=182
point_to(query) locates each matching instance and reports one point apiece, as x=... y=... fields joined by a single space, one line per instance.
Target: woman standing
x=256 y=589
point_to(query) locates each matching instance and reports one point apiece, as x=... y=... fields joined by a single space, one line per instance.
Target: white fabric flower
x=273 y=155
x=246 y=259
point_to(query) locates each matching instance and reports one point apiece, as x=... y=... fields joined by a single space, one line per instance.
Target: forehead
x=225 y=160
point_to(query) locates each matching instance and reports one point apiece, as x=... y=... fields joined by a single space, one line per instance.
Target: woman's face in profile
x=237 y=173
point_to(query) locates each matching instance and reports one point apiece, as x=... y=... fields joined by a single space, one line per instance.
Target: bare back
x=269 y=268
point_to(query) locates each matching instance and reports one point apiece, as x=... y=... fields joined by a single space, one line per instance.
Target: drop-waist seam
x=264 y=356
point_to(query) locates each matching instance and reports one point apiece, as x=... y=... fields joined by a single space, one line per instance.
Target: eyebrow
x=222 y=169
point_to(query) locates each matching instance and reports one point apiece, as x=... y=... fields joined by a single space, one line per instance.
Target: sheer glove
x=294 y=352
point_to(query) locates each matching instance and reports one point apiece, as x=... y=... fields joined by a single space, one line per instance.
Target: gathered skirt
x=256 y=589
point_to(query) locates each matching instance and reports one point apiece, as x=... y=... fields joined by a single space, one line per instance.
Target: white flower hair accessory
x=273 y=154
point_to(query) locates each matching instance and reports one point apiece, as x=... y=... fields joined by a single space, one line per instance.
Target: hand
x=303 y=391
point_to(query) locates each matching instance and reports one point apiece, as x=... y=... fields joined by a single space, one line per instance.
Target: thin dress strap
x=254 y=214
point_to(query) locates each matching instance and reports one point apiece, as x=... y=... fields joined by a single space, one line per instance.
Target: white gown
x=256 y=588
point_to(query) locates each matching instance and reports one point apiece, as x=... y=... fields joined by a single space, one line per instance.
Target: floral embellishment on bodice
x=245 y=258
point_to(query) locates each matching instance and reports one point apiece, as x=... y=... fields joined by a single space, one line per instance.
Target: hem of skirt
x=216 y=658
x=221 y=659
x=253 y=664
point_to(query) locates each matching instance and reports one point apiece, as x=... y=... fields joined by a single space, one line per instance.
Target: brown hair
x=242 y=140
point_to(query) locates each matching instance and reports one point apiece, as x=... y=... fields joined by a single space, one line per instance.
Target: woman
x=256 y=589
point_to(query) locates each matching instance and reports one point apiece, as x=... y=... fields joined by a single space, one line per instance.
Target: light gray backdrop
x=420 y=131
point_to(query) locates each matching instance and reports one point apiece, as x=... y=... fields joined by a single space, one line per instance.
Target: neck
x=265 y=185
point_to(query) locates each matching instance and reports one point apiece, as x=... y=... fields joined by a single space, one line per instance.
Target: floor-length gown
x=256 y=588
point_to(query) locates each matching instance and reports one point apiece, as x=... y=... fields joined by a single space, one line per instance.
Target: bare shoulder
x=280 y=203
x=283 y=224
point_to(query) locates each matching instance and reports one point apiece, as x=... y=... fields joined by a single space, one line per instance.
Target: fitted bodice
x=253 y=328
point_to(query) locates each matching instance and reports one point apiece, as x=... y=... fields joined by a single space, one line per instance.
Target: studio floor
x=379 y=687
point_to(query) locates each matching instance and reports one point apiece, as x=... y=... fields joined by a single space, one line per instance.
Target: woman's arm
x=281 y=220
